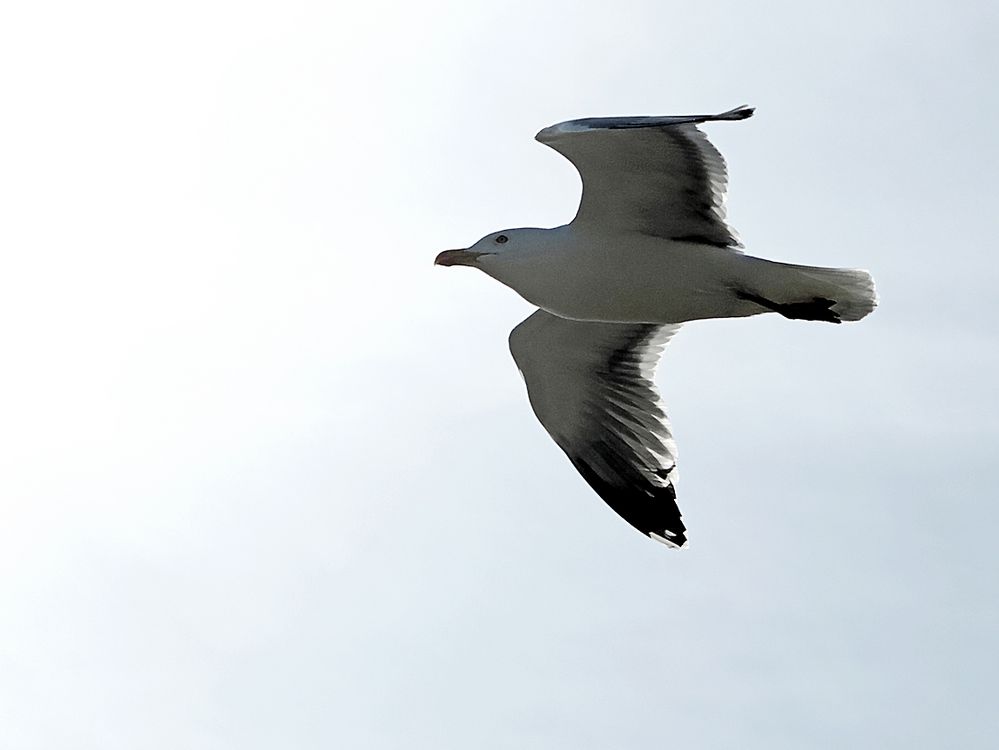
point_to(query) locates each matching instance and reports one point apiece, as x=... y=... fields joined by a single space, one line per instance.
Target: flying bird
x=648 y=250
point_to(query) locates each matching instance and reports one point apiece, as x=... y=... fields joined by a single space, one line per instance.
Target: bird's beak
x=453 y=258
x=456 y=258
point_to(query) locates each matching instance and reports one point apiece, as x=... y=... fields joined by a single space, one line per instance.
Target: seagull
x=648 y=250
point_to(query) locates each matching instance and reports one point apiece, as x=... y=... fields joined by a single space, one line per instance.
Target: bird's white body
x=583 y=273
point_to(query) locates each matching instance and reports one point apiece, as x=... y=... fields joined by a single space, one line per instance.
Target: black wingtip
x=739 y=113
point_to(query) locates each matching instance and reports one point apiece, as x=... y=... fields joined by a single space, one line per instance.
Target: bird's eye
x=501 y=239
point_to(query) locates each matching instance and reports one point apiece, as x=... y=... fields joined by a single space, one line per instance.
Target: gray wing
x=591 y=387
x=656 y=175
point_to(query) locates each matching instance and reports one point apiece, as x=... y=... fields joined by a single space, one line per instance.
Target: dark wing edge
x=591 y=387
x=741 y=112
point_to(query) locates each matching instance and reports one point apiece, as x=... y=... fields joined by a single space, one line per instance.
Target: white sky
x=269 y=479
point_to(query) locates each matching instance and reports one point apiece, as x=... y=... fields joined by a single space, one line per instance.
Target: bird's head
x=506 y=243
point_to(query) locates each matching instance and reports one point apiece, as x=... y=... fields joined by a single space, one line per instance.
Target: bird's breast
x=644 y=280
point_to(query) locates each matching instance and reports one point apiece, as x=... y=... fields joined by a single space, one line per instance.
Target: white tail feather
x=852 y=289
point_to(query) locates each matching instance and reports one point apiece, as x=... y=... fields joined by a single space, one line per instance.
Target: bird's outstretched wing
x=656 y=175
x=591 y=386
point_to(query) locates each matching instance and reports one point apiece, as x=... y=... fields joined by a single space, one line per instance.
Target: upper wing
x=591 y=387
x=655 y=175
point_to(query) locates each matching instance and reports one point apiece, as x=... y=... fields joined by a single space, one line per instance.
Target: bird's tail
x=813 y=293
x=852 y=290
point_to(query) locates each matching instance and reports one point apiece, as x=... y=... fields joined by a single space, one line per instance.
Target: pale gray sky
x=269 y=479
